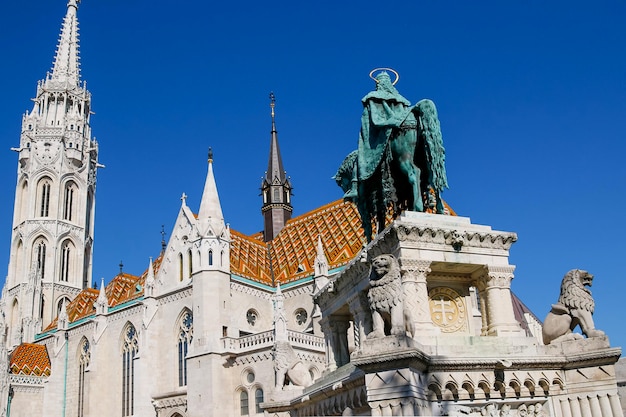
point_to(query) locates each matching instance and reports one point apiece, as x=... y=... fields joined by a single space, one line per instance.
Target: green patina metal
x=400 y=160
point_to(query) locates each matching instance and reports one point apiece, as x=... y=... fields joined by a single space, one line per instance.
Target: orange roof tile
x=292 y=252
x=30 y=359
x=122 y=288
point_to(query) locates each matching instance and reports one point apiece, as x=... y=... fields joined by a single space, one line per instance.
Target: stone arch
x=15 y=322
x=19 y=268
x=516 y=387
x=258 y=397
x=21 y=202
x=40 y=255
x=469 y=388
x=484 y=386
x=434 y=392
x=530 y=386
x=242 y=401
x=452 y=390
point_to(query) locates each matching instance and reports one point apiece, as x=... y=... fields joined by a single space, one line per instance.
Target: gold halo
x=385 y=69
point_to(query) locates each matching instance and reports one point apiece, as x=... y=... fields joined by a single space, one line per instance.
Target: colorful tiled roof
x=290 y=256
x=122 y=288
x=30 y=359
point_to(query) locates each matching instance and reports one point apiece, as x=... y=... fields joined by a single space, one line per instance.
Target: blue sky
x=531 y=96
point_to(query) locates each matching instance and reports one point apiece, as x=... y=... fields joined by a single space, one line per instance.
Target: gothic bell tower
x=53 y=220
x=275 y=187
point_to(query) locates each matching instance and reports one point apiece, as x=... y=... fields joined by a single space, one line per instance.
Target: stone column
x=331 y=363
x=336 y=335
x=340 y=327
x=494 y=285
x=359 y=307
x=416 y=307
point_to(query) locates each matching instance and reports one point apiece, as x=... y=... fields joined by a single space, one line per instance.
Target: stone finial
x=150 y=281
x=321 y=263
x=280 y=319
x=63 y=319
x=102 y=303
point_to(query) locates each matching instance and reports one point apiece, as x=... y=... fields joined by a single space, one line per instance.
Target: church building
x=283 y=322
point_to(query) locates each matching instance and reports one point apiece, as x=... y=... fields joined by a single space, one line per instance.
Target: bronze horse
x=406 y=162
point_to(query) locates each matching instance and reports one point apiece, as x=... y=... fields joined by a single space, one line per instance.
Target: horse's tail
x=430 y=131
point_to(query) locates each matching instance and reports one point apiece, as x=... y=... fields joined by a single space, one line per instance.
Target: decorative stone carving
x=386 y=296
x=287 y=363
x=574 y=308
x=448 y=310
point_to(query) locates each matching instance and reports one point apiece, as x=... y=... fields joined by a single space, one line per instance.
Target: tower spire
x=276 y=186
x=210 y=215
x=66 y=67
x=58 y=160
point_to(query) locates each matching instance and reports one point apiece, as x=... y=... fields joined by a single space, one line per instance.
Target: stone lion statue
x=287 y=363
x=386 y=297
x=574 y=308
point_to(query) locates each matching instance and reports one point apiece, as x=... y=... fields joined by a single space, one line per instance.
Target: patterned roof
x=291 y=255
x=124 y=287
x=30 y=359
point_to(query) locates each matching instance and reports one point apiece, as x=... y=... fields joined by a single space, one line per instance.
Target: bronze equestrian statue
x=400 y=161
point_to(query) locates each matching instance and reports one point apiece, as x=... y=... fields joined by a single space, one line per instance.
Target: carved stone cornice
x=245 y=289
x=454 y=237
x=174 y=400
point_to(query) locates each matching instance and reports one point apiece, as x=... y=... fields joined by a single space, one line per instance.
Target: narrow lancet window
x=129 y=351
x=185 y=336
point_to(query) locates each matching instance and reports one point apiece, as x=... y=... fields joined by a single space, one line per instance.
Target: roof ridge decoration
x=66 y=65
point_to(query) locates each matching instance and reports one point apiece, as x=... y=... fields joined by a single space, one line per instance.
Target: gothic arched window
x=180 y=267
x=44 y=197
x=210 y=257
x=130 y=349
x=40 y=248
x=68 y=200
x=66 y=251
x=258 y=399
x=83 y=362
x=190 y=261
x=185 y=336
x=43 y=192
x=244 y=409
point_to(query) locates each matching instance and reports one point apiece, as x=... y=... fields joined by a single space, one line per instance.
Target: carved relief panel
x=447 y=309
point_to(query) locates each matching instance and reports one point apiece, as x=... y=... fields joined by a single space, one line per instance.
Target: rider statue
x=400 y=160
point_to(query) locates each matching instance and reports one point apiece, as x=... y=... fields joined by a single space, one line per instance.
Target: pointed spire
x=63 y=319
x=321 y=263
x=210 y=215
x=102 y=303
x=66 y=62
x=280 y=319
x=275 y=170
x=275 y=186
x=149 y=284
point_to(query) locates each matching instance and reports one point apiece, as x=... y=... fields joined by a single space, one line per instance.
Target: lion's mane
x=386 y=290
x=574 y=294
